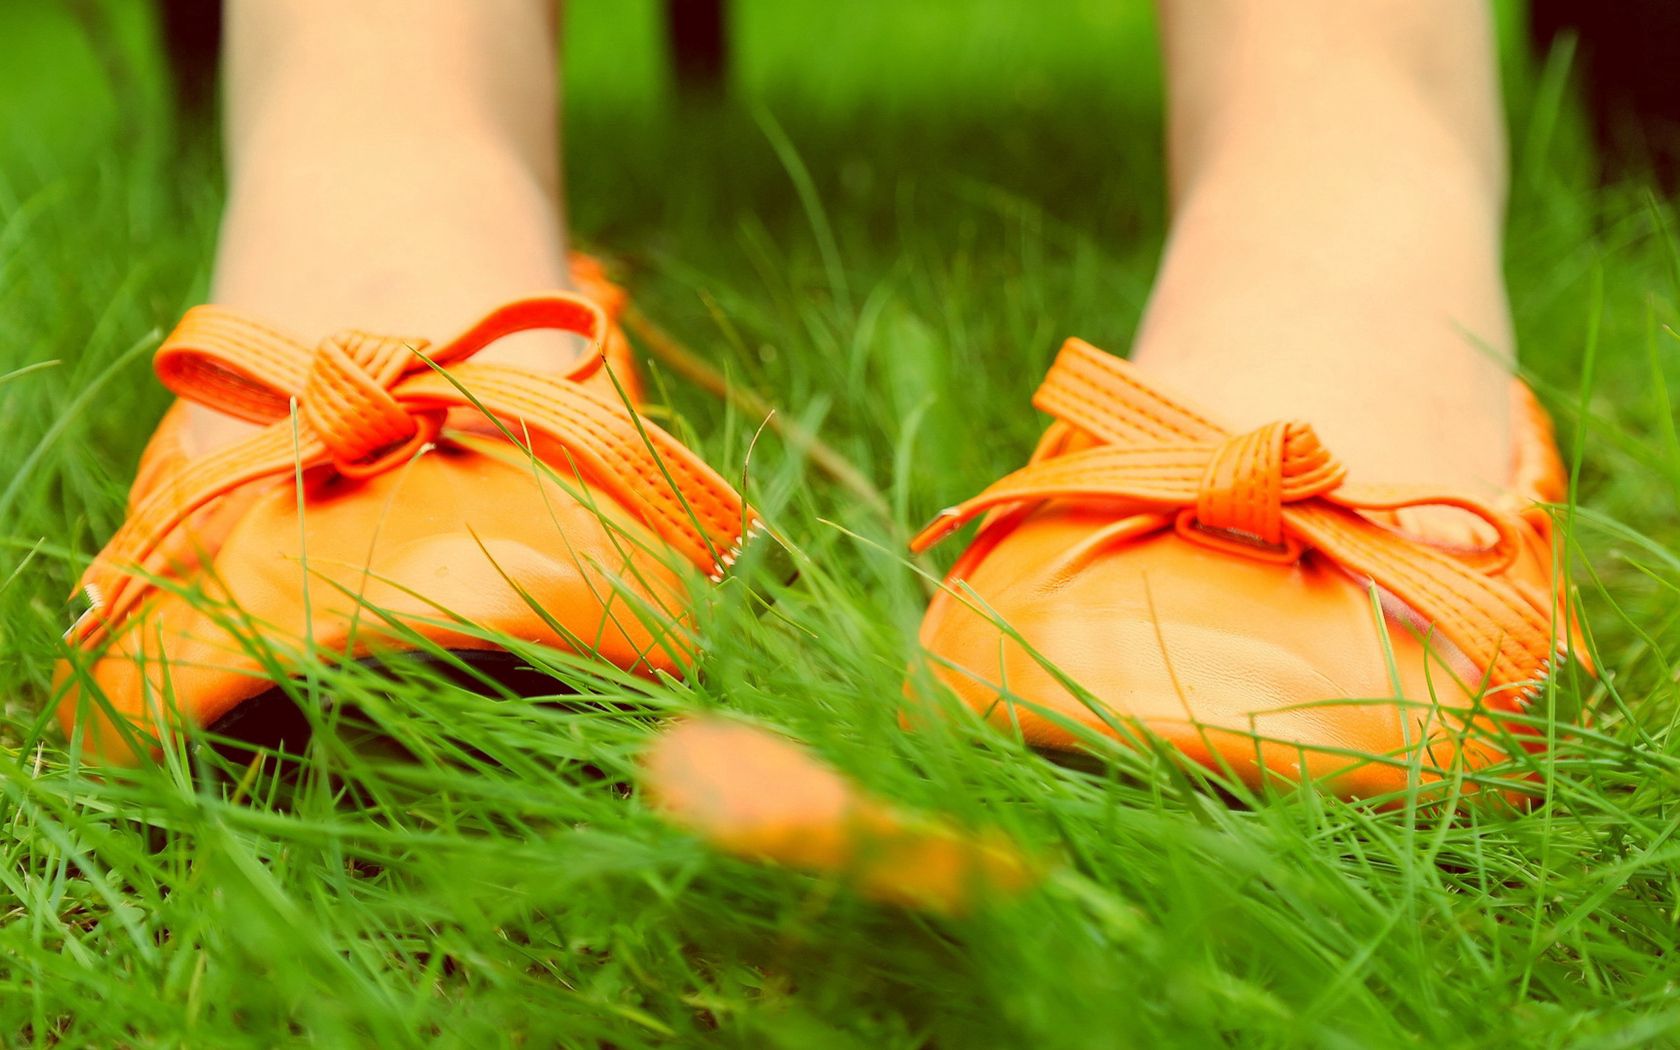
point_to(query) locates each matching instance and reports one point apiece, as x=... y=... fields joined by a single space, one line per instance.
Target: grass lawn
x=886 y=232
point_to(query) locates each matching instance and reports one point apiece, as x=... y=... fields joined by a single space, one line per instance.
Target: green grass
x=905 y=210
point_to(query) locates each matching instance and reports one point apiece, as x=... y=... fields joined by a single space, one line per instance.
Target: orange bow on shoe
x=413 y=523
x=365 y=403
x=1139 y=483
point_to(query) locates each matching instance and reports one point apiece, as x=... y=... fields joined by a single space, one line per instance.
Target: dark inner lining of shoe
x=273 y=720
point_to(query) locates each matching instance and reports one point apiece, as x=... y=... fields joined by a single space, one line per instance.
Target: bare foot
x=1335 y=247
x=393 y=167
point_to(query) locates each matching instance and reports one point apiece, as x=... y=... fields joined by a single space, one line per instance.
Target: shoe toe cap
x=1237 y=663
x=431 y=549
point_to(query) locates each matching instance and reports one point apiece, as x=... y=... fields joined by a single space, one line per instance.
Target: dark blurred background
x=1628 y=58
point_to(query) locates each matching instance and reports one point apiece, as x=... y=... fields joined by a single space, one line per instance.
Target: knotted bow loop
x=1271 y=493
x=1232 y=495
x=1250 y=477
x=224 y=360
x=228 y=362
x=347 y=401
x=367 y=403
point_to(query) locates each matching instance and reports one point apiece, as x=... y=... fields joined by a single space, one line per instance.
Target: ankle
x=1239 y=70
x=316 y=240
x=380 y=68
x=1334 y=252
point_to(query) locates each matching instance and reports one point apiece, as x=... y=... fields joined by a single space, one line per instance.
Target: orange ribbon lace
x=362 y=404
x=1275 y=493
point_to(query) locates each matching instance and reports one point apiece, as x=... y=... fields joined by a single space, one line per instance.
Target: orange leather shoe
x=1216 y=591
x=383 y=499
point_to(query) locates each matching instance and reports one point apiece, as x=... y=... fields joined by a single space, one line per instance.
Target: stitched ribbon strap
x=1273 y=493
x=366 y=403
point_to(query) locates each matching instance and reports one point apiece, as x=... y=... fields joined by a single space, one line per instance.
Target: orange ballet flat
x=1236 y=597
x=398 y=490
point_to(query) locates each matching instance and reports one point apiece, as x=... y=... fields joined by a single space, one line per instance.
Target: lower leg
x=393 y=165
x=1338 y=179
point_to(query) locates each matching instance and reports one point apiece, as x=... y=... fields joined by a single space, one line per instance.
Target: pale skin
x=1337 y=170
